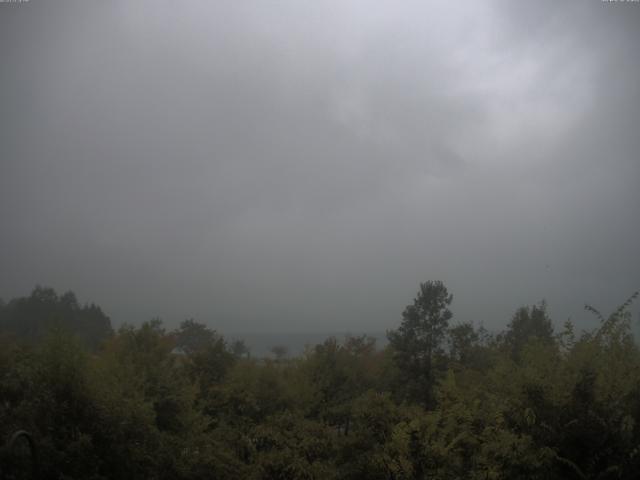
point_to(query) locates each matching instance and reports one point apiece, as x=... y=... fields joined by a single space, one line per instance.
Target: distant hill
x=31 y=318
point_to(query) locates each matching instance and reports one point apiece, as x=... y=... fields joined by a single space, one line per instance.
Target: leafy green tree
x=368 y=451
x=152 y=390
x=597 y=433
x=528 y=323
x=463 y=340
x=206 y=356
x=193 y=337
x=240 y=349
x=290 y=447
x=252 y=391
x=418 y=344
x=338 y=373
x=279 y=352
x=209 y=366
x=31 y=319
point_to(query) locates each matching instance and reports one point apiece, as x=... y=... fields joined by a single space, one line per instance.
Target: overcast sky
x=304 y=165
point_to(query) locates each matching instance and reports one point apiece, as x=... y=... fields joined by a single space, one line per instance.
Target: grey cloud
x=304 y=166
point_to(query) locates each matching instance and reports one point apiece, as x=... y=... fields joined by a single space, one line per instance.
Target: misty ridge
x=337 y=239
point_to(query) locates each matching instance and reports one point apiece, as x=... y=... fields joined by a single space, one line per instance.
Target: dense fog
x=301 y=167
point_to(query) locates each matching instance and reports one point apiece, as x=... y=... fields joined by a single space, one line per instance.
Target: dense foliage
x=441 y=401
x=30 y=319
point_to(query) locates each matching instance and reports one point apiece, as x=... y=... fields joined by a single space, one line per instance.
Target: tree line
x=443 y=400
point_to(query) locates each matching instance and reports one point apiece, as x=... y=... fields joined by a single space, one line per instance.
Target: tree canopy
x=31 y=318
x=419 y=341
x=439 y=402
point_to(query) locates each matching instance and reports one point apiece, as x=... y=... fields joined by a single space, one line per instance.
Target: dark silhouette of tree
x=527 y=324
x=418 y=343
x=239 y=349
x=193 y=337
x=31 y=318
x=463 y=341
x=280 y=352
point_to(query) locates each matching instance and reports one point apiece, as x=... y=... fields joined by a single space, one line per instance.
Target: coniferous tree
x=418 y=343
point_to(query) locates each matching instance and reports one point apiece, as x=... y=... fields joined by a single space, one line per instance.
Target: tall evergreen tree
x=418 y=343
